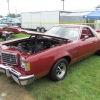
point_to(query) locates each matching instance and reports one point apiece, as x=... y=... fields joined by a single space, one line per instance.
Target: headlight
x=24 y=65
x=22 y=58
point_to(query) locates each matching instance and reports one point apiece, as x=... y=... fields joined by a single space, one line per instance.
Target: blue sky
x=43 y=5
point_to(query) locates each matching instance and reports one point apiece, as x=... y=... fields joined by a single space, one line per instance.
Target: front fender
x=62 y=54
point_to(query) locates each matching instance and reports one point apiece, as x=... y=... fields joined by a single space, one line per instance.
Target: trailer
x=42 y=21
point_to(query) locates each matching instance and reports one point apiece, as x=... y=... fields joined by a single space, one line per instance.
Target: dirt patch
x=9 y=90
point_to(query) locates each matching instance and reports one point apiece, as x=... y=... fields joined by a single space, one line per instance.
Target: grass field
x=81 y=83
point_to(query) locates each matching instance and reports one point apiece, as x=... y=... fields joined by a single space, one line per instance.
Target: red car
x=10 y=30
x=0 y=31
x=49 y=54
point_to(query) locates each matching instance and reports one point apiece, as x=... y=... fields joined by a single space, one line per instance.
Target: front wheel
x=38 y=29
x=59 y=70
x=98 y=53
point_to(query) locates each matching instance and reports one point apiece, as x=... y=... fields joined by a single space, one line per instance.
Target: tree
x=13 y=15
x=18 y=15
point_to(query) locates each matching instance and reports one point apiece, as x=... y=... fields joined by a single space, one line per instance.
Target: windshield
x=71 y=33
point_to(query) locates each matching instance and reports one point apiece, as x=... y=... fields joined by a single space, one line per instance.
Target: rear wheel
x=42 y=30
x=59 y=70
x=38 y=29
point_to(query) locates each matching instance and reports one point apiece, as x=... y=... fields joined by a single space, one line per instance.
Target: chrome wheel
x=61 y=70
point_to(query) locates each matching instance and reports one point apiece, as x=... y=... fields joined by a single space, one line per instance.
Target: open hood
x=17 y=30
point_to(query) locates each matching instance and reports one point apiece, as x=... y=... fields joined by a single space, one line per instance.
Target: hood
x=19 y=30
x=40 y=34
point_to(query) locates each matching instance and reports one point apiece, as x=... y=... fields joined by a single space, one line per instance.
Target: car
x=8 y=31
x=1 y=27
x=50 y=54
x=12 y=29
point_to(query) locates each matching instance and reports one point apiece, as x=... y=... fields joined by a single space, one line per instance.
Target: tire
x=42 y=30
x=98 y=53
x=59 y=70
x=9 y=35
x=38 y=29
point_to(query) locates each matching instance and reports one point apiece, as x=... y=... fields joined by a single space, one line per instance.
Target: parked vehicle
x=8 y=31
x=42 y=21
x=12 y=29
x=1 y=27
x=49 y=54
x=13 y=21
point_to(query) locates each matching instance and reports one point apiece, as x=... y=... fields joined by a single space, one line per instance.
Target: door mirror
x=84 y=37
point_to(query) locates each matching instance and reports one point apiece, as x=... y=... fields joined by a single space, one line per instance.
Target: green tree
x=12 y=15
x=18 y=15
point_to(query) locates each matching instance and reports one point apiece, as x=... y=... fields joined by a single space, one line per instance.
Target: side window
x=87 y=31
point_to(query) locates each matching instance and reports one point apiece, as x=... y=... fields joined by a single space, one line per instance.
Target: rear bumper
x=22 y=80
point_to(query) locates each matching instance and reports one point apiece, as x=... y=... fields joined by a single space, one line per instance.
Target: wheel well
x=68 y=59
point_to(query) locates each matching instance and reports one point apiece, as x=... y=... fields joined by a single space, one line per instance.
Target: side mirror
x=84 y=37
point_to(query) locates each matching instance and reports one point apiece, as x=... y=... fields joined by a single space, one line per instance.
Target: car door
x=89 y=45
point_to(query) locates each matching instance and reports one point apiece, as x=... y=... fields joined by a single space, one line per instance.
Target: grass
x=21 y=35
x=81 y=83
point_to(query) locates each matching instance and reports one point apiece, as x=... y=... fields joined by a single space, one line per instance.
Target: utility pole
x=8 y=8
x=16 y=11
x=63 y=3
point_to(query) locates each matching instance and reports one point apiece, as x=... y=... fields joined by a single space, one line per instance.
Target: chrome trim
x=14 y=72
x=4 y=69
x=21 y=80
x=15 y=54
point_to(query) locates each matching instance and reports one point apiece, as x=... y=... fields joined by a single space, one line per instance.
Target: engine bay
x=36 y=44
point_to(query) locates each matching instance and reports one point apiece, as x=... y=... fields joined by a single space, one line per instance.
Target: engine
x=37 y=44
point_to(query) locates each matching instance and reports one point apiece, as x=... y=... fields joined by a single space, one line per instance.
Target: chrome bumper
x=22 y=80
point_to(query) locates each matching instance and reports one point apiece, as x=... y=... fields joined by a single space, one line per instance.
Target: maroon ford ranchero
x=51 y=53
